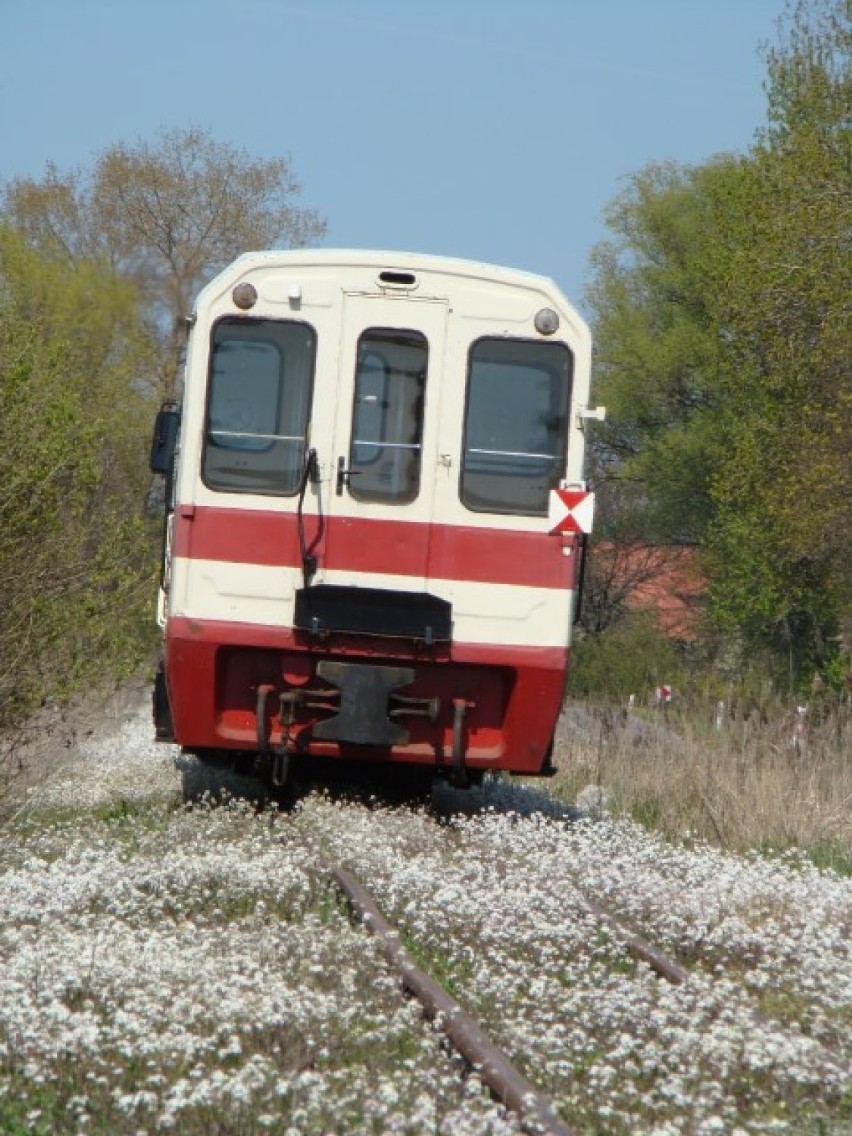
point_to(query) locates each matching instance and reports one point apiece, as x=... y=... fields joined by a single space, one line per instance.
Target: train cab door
x=383 y=464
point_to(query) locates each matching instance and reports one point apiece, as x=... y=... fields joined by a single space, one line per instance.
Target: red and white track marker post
x=571 y=511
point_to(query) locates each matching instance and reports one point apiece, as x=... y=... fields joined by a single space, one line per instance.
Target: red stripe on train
x=399 y=548
x=224 y=633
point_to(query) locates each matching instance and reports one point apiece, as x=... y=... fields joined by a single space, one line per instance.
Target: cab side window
x=516 y=425
x=258 y=405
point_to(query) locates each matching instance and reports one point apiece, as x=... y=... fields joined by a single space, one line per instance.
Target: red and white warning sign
x=664 y=693
x=571 y=511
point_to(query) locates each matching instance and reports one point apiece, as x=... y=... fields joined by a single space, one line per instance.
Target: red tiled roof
x=664 y=580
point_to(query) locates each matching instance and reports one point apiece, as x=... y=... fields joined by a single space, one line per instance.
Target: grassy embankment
x=771 y=782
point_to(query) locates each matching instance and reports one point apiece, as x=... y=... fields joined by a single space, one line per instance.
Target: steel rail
x=666 y=967
x=640 y=948
x=535 y=1109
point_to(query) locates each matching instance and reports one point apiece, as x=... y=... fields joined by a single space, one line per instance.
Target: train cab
x=376 y=514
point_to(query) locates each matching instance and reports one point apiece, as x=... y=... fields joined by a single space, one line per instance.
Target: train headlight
x=244 y=296
x=546 y=321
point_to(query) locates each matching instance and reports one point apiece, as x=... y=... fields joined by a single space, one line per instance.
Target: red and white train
x=376 y=515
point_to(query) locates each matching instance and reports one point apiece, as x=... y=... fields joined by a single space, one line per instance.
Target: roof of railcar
x=391 y=260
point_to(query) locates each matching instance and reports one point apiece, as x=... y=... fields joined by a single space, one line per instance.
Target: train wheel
x=215 y=777
x=409 y=783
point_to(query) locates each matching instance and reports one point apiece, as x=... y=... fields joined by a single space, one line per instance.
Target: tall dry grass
x=774 y=780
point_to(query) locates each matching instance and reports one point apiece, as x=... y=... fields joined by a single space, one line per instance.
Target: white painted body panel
x=455 y=302
x=263 y=595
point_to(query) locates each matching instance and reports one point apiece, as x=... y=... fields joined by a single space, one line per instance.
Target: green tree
x=76 y=561
x=781 y=279
x=658 y=357
x=721 y=310
x=166 y=216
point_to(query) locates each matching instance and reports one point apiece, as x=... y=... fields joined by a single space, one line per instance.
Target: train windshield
x=258 y=405
x=387 y=420
x=516 y=423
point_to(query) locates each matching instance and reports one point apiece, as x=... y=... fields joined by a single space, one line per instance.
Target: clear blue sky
x=492 y=129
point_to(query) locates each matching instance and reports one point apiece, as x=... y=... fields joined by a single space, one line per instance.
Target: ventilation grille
x=393 y=278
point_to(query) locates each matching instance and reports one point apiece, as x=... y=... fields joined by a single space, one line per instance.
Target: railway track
x=634 y=986
x=719 y=998
x=538 y=1113
x=536 y=1110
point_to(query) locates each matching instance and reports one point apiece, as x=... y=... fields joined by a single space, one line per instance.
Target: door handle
x=343 y=475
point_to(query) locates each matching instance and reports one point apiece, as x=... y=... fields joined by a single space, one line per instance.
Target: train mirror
x=166 y=426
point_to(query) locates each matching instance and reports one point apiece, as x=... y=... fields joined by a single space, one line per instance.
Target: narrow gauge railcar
x=375 y=515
